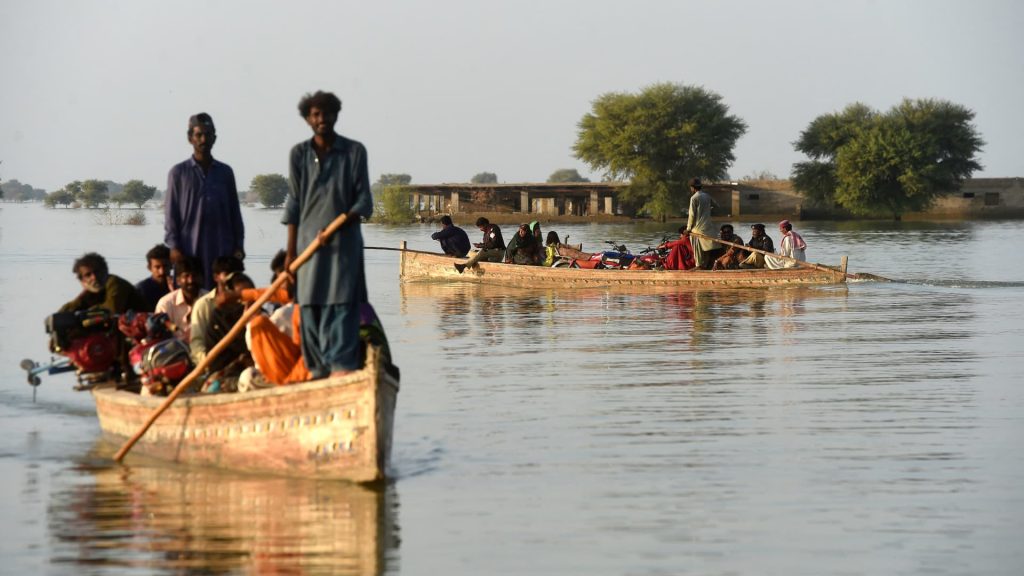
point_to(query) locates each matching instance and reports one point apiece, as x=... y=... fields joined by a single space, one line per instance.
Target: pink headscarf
x=798 y=240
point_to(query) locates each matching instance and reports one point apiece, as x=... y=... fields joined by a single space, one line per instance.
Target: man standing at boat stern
x=699 y=220
x=202 y=216
x=329 y=177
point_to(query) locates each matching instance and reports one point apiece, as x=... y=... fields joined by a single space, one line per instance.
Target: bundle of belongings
x=159 y=359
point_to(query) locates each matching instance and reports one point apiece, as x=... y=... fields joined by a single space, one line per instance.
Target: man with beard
x=202 y=216
x=101 y=289
x=329 y=177
x=760 y=241
x=178 y=304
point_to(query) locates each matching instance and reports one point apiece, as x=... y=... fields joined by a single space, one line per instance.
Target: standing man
x=699 y=220
x=329 y=177
x=202 y=216
x=454 y=240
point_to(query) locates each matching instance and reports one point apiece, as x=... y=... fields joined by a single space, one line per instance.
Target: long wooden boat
x=335 y=428
x=416 y=266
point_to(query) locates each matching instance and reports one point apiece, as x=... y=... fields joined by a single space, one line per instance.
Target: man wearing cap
x=760 y=241
x=202 y=216
x=699 y=220
x=791 y=248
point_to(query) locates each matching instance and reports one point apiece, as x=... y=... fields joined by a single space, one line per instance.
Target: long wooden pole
x=251 y=311
x=766 y=253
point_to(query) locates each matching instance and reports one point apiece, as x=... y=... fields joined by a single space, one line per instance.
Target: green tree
x=566 y=175
x=93 y=193
x=19 y=192
x=821 y=142
x=272 y=189
x=59 y=197
x=485 y=178
x=386 y=180
x=873 y=163
x=135 y=192
x=393 y=205
x=658 y=139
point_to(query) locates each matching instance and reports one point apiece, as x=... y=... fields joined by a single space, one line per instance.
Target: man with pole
x=329 y=177
x=698 y=222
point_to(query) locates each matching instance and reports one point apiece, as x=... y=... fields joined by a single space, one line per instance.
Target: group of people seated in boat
x=178 y=314
x=732 y=256
x=527 y=247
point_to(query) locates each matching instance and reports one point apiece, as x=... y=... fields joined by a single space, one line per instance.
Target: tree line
x=864 y=160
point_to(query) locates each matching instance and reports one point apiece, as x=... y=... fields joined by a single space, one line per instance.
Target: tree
x=271 y=189
x=135 y=192
x=566 y=175
x=394 y=179
x=658 y=140
x=19 y=192
x=62 y=197
x=92 y=193
x=386 y=180
x=485 y=178
x=896 y=162
x=393 y=205
x=821 y=141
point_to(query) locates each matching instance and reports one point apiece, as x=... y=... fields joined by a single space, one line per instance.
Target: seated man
x=275 y=346
x=454 y=240
x=731 y=256
x=227 y=311
x=203 y=308
x=101 y=289
x=491 y=249
x=760 y=241
x=178 y=304
x=791 y=249
x=680 y=256
x=523 y=248
x=159 y=283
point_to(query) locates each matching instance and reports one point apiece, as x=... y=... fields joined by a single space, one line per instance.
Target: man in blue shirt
x=202 y=216
x=454 y=240
x=329 y=177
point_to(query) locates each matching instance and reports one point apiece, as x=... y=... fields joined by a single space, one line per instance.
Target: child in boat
x=551 y=245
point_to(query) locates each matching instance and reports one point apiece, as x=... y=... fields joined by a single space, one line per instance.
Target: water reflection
x=194 y=520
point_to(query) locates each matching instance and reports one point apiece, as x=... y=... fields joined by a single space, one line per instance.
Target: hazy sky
x=444 y=89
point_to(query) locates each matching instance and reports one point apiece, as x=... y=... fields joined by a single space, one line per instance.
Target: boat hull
x=422 y=266
x=335 y=428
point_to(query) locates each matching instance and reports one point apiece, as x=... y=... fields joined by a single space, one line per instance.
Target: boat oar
x=251 y=311
x=405 y=250
x=766 y=253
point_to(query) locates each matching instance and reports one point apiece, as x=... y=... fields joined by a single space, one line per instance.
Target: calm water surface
x=872 y=428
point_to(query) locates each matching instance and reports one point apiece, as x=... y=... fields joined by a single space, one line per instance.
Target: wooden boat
x=335 y=428
x=416 y=266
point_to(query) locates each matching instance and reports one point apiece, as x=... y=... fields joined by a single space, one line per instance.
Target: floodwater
x=871 y=428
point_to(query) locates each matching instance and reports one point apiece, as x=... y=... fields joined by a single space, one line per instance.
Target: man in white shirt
x=178 y=303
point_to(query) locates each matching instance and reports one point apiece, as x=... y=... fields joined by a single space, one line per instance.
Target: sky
x=445 y=89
